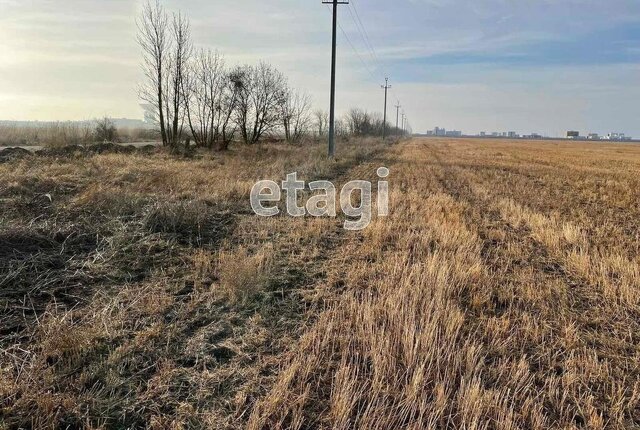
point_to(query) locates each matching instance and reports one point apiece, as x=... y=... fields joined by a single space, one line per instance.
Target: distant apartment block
x=509 y=134
x=573 y=134
x=442 y=132
x=617 y=137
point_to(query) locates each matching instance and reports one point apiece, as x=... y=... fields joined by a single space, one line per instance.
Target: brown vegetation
x=139 y=291
x=61 y=134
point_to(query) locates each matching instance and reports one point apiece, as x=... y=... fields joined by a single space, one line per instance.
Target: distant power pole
x=332 y=108
x=403 y=119
x=397 y=115
x=386 y=87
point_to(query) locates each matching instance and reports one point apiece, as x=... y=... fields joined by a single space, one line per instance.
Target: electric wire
x=367 y=41
x=353 y=48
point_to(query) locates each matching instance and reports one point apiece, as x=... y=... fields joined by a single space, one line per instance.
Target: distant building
x=617 y=137
x=439 y=131
x=483 y=134
x=593 y=136
x=495 y=134
x=150 y=114
x=573 y=134
x=453 y=133
x=512 y=134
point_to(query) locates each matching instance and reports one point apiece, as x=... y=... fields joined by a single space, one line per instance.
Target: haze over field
x=545 y=66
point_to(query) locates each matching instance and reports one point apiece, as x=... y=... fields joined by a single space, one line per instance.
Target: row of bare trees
x=193 y=95
x=356 y=122
x=362 y=123
x=166 y=48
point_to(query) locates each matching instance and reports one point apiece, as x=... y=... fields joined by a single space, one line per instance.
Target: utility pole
x=386 y=87
x=397 y=115
x=403 y=119
x=332 y=108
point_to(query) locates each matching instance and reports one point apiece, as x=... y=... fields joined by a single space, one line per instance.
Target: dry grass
x=501 y=293
x=62 y=134
x=139 y=291
x=55 y=134
x=482 y=302
x=244 y=276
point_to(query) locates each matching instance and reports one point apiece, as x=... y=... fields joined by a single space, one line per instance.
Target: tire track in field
x=331 y=272
x=389 y=354
x=606 y=203
x=557 y=331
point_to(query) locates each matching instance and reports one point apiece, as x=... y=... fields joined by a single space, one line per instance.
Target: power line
x=365 y=36
x=353 y=48
x=353 y=5
x=355 y=16
x=367 y=41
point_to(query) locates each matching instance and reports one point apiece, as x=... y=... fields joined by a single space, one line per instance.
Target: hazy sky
x=523 y=65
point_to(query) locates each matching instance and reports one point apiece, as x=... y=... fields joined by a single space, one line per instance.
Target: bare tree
x=243 y=78
x=166 y=48
x=321 y=122
x=363 y=123
x=356 y=120
x=261 y=91
x=210 y=100
x=180 y=57
x=342 y=128
x=105 y=130
x=202 y=87
x=155 y=43
x=228 y=104
x=296 y=115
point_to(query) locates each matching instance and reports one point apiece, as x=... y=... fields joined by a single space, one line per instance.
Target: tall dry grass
x=139 y=291
x=60 y=134
x=54 y=135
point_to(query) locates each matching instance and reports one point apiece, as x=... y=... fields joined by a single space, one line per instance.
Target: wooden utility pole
x=332 y=108
x=397 y=115
x=386 y=87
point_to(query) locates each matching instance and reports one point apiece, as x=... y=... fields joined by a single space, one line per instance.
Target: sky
x=544 y=66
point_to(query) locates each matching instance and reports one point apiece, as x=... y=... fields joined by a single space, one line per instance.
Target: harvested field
x=138 y=290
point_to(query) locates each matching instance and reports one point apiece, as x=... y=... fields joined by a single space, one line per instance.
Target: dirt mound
x=99 y=148
x=65 y=151
x=110 y=148
x=11 y=154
